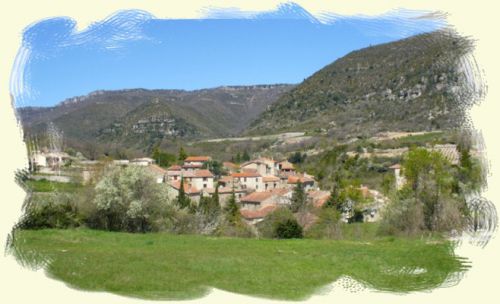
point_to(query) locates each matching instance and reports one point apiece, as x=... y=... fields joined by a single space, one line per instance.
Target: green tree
x=129 y=199
x=182 y=154
x=245 y=157
x=183 y=201
x=297 y=158
x=299 y=199
x=162 y=158
x=289 y=229
x=232 y=210
x=430 y=181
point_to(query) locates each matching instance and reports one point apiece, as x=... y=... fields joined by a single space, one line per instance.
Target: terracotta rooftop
x=198 y=173
x=174 y=168
x=281 y=191
x=226 y=179
x=293 y=179
x=192 y=166
x=260 y=160
x=246 y=174
x=156 y=169
x=189 y=189
x=395 y=166
x=230 y=165
x=286 y=165
x=257 y=197
x=257 y=214
x=225 y=190
x=271 y=178
x=197 y=159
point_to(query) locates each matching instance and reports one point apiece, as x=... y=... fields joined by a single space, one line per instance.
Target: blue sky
x=133 y=49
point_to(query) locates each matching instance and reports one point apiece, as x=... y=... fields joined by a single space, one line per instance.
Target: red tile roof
x=225 y=190
x=174 y=168
x=156 y=169
x=286 y=165
x=189 y=189
x=267 y=179
x=293 y=179
x=197 y=173
x=226 y=179
x=281 y=191
x=257 y=197
x=197 y=159
x=192 y=166
x=246 y=174
x=257 y=214
x=230 y=165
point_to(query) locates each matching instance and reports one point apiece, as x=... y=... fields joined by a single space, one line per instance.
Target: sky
x=133 y=49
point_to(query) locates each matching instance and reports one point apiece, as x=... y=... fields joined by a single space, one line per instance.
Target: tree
x=297 y=158
x=129 y=199
x=215 y=197
x=232 y=209
x=428 y=175
x=289 y=229
x=162 y=158
x=298 y=201
x=182 y=199
x=182 y=154
x=328 y=225
x=214 y=166
x=388 y=183
x=245 y=157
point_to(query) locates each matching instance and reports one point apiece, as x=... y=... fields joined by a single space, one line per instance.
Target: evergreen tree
x=182 y=154
x=182 y=199
x=298 y=201
x=245 y=157
x=232 y=209
x=215 y=196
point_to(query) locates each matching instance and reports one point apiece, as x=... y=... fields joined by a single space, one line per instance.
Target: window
x=257 y=179
x=204 y=185
x=205 y=179
x=245 y=179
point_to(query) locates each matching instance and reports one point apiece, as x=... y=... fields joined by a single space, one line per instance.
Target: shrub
x=403 y=216
x=328 y=225
x=232 y=229
x=280 y=224
x=288 y=229
x=129 y=199
x=54 y=210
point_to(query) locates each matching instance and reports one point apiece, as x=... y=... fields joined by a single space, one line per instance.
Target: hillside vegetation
x=415 y=84
x=140 y=118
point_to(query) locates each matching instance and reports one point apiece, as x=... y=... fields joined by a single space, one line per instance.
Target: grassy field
x=44 y=185
x=164 y=266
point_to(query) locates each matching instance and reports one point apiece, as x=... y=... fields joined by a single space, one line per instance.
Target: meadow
x=168 y=266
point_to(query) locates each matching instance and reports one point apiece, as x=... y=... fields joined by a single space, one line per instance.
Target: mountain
x=139 y=118
x=415 y=84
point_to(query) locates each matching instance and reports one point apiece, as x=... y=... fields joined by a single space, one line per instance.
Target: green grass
x=44 y=185
x=164 y=266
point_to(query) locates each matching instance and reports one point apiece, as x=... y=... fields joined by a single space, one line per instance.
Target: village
x=260 y=185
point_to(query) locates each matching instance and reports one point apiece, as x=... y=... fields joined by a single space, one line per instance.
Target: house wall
x=202 y=183
x=252 y=182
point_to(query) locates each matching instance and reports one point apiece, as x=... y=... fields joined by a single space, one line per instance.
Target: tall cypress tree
x=182 y=199
x=298 y=198
x=232 y=209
